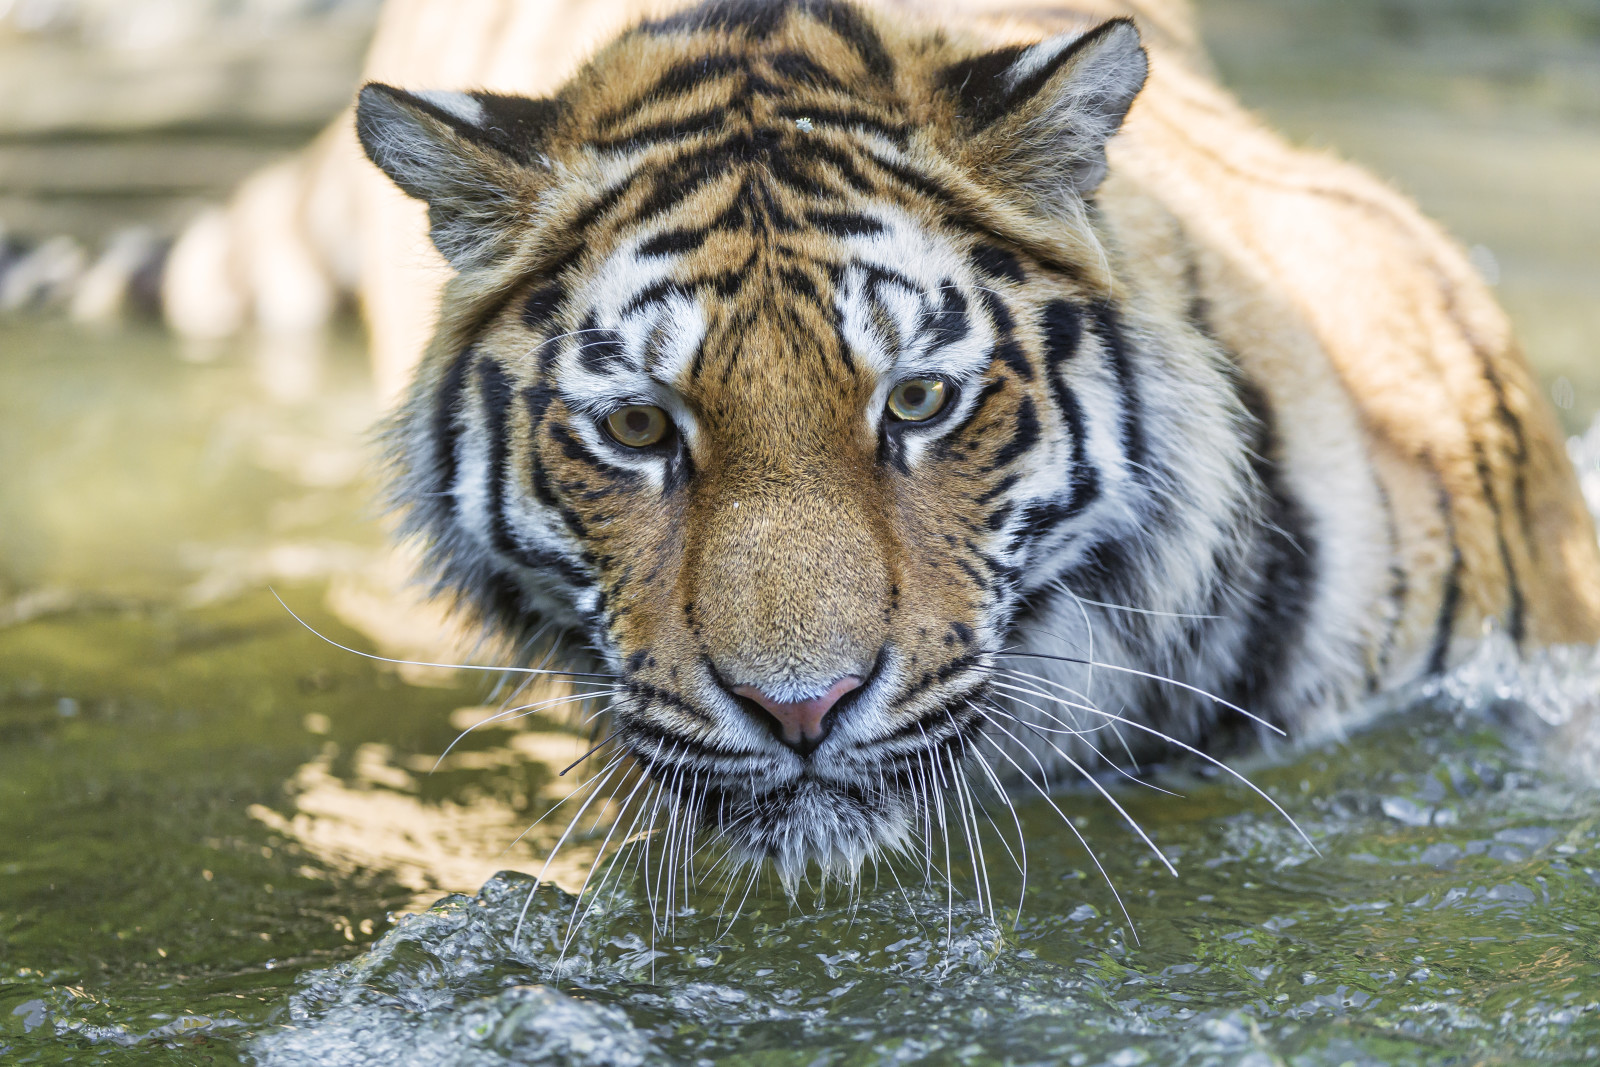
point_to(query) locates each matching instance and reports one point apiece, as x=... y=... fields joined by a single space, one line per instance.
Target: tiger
x=902 y=394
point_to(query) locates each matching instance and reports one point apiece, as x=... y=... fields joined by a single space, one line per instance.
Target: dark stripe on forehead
x=668 y=131
x=849 y=119
x=799 y=67
x=760 y=19
x=600 y=351
x=848 y=23
x=681 y=78
x=673 y=242
x=844 y=223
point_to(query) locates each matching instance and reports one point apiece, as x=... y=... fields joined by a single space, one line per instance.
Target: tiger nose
x=801 y=724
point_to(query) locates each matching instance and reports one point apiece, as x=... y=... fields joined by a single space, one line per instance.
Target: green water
x=220 y=836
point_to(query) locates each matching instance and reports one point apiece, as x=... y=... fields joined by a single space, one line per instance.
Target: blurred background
x=202 y=799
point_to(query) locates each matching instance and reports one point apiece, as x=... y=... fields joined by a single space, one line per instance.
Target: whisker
x=998 y=747
x=1020 y=857
x=1203 y=755
x=610 y=678
x=1132 y=610
x=521 y=711
x=575 y=921
x=1154 y=678
x=555 y=807
x=1129 y=819
x=598 y=745
x=539 y=878
x=1073 y=731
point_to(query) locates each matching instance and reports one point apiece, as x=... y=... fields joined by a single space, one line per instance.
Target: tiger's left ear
x=1038 y=117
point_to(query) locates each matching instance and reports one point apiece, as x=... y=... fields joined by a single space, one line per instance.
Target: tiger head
x=782 y=362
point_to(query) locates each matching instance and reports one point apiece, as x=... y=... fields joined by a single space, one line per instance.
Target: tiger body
x=1227 y=426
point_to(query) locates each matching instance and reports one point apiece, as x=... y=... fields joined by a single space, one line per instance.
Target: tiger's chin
x=811 y=823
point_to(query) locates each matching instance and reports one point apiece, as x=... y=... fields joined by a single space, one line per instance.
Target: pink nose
x=801 y=720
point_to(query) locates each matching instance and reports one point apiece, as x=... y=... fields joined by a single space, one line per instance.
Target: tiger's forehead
x=730 y=314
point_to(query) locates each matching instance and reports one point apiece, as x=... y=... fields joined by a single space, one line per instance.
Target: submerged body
x=882 y=415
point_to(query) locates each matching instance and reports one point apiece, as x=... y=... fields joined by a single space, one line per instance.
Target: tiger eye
x=638 y=425
x=918 y=399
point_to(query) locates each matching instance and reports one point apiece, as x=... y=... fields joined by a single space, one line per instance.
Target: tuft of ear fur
x=1039 y=116
x=474 y=158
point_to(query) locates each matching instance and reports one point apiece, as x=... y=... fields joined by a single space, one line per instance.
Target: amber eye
x=918 y=399
x=638 y=425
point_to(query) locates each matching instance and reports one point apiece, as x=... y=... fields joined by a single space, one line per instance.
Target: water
x=225 y=840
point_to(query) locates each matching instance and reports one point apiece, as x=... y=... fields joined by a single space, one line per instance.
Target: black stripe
x=997 y=263
x=654 y=293
x=673 y=242
x=977 y=84
x=1108 y=326
x=1006 y=348
x=1516 y=622
x=445 y=428
x=494 y=392
x=673 y=130
x=1450 y=603
x=537 y=399
x=675 y=80
x=1023 y=438
x=814 y=149
x=798 y=283
x=849 y=119
x=857 y=32
x=673 y=185
x=599 y=351
x=844 y=223
x=1285 y=569
x=539 y=310
x=948 y=322
x=801 y=68
x=1063 y=333
x=758 y=18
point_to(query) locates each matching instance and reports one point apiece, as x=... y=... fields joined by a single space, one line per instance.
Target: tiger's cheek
x=956 y=585
x=630 y=532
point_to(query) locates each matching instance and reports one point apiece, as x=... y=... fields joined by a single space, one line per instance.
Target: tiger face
x=784 y=363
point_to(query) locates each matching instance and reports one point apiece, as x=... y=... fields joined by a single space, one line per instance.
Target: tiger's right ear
x=474 y=158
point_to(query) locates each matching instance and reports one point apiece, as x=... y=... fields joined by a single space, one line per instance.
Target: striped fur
x=1225 y=415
